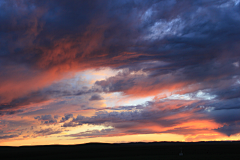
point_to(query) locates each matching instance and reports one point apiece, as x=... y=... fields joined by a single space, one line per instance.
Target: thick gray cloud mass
x=95 y=97
x=182 y=47
x=230 y=129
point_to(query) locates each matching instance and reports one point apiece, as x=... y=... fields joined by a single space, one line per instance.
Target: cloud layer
x=54 y=57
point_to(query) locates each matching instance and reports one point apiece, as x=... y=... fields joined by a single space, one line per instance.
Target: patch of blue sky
x=200 y=95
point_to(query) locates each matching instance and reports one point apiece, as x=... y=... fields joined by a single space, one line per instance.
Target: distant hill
x=104 y=151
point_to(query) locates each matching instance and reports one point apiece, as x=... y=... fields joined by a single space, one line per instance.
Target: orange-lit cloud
x=121 y=68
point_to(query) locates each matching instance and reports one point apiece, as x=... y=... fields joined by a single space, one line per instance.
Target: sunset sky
x=117 y=71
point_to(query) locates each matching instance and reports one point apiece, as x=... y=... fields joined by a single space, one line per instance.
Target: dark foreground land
x=130 y=151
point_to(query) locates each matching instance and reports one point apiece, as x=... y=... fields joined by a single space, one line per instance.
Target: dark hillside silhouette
x=155 y=150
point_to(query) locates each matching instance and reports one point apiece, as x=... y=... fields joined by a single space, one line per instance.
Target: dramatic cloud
x=138 y=67
x=95 y=97
x=230 y=129
x=46 y=119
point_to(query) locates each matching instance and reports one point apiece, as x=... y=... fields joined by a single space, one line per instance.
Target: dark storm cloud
x=68 y=23
x=230 y=129
x=95 y=97
x=196 y=49
x=227 y=90
x=40 y=34
x=117 y=83
x=178 y=46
